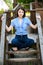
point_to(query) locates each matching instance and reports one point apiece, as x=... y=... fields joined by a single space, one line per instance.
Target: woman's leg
x=15 y=43
x=28 y=42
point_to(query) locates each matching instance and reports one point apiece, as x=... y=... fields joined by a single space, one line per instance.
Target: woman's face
x=20 y=13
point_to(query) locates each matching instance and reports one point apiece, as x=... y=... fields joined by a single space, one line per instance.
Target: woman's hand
x=33 y=26
x=9 y=28
x=38 y=17
x=2 y=17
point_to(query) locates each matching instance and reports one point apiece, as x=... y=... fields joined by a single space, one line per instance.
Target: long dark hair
x=21 y=9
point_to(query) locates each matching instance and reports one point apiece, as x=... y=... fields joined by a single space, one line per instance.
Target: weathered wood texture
x=41 y=14
x=0 y=25
x=2 y=44
x=37 y=5
x=40 y=35
x=9 y=19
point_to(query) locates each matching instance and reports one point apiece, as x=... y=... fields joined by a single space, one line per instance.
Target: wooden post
x=14 y=3
x=2 y=40
x=30 y=6
x=40 y=34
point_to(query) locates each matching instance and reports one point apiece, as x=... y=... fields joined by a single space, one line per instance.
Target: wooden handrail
x=40 y=34
x=2 y=44
x=16 y=7
x=37 y=9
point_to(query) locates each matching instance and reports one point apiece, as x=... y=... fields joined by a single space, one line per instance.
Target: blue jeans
x=22 y=41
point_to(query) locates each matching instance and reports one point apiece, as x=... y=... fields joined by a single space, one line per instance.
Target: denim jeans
x=22 y=41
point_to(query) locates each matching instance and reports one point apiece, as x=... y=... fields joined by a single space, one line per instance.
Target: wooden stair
x=28 y=52
x=35 y=58
x=22 y=59
x=25 y=59
x=23 y=52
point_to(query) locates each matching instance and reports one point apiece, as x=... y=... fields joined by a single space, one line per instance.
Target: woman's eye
x=21 y=12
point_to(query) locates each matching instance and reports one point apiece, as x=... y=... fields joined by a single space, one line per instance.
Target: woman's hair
x=21 y=9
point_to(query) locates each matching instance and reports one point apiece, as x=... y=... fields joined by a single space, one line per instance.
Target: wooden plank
x=2 y=40
x=23 y=52
x=23 y=59
x=40 y=35
x=32 y=36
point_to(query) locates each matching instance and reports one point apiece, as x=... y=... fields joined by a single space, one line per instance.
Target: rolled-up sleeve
x=29 y=21
x=12 y=23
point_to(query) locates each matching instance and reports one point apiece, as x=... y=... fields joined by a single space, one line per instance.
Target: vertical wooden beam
x=30 y=6
x=2 y=40
x=14 y=3
x=40 y=35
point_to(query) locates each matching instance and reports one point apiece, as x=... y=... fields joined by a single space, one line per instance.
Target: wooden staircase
x=33 y=54
x=38 y=39
x=30 y=55
x=26 y=59
x=20 y=53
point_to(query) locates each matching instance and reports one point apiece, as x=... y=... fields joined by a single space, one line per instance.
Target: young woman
x=21 y=23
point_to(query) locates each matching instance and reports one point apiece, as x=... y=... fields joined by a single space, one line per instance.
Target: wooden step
x=22 y=52
x=22 y=59
x=32 y=36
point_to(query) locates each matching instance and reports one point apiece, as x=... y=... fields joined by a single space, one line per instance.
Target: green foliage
x=9 y=3
x=25 y=1
x=1 y=11
x=30 y=63
x=20 y=1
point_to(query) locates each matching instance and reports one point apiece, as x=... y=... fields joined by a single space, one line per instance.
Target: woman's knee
x=14 y=41
x=32 y=41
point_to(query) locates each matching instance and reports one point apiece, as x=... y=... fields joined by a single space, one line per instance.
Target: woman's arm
x=33 y=26
x=9 y=28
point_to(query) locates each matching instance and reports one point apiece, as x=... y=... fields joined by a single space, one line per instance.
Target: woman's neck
x=20 y=17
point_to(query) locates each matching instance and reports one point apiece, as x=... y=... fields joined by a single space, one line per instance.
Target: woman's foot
x=27 y=48
x=14 y=49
